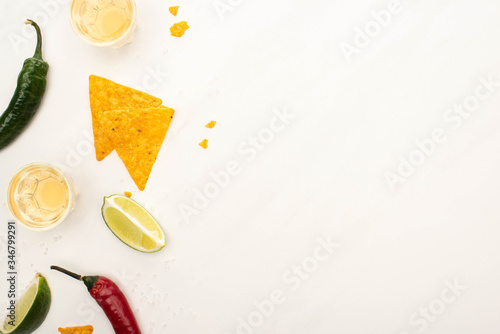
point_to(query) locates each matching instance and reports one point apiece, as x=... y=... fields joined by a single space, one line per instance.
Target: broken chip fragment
x=211 y=124
x=204 y=143
x=173 y=10
x=178 y=29
x=76 y=330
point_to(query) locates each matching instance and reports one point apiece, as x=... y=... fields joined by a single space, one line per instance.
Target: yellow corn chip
x=204 y=143
x=211 y=124
x=173 y=10
x=108 y=95
x=136 y=135
x=178 y=29
x=76 y=330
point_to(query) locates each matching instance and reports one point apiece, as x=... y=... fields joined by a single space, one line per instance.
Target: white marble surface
x=397 y=249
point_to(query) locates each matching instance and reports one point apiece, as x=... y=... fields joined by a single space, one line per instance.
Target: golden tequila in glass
x=103 y=22
x=39 y=196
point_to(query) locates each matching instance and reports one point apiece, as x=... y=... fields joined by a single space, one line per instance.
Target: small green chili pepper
x=28 y=95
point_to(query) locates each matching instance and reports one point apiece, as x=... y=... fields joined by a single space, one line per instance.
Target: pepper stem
x=67 y=272
x=38 y=50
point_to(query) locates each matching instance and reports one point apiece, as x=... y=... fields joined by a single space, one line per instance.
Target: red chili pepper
x=111 y=299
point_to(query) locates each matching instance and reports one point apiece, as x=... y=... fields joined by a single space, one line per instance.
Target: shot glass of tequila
x=104 y=22
x=40 y=197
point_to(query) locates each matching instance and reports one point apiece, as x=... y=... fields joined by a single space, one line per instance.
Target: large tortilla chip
x=137 y=135
x=76 y=330
x=108 y=95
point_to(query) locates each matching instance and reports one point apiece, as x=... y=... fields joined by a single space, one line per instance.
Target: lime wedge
x=132 y=224
x=30 y=310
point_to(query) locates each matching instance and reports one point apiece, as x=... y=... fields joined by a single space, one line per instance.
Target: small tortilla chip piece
x=178 y=29
x=211 y=124
x=108 y=95
x=137 y=135
x=128 y=194
x=173 y=10
x=76 y=330
x=204 y=143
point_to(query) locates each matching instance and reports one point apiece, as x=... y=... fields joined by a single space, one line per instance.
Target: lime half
x=31 y=309
x=132 y=224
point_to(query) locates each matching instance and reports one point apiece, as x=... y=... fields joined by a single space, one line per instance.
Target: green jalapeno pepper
x=28 y=95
